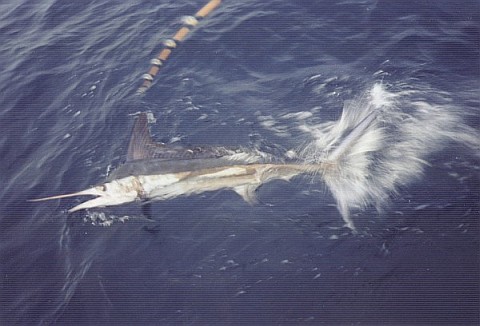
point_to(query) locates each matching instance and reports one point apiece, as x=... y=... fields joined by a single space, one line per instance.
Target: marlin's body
x=154 y=171
x=242 y=178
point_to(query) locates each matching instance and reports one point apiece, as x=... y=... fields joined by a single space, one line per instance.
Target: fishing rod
x=189 y=22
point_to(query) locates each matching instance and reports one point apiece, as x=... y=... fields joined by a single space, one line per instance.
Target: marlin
x=155 y=171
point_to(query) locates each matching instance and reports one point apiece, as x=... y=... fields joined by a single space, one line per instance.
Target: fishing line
x=189 y=22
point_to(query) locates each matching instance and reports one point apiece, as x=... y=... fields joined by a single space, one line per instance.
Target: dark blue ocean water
x=69 y=71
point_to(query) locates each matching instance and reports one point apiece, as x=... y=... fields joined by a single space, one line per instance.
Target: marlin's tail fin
x=348 y=147
x=381 y=142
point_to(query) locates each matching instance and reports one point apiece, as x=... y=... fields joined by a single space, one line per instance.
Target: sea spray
x=382 y=142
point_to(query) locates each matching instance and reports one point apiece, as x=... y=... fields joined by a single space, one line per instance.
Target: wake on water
x=382 y=142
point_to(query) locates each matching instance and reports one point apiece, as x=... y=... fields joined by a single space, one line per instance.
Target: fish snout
x=111 y=194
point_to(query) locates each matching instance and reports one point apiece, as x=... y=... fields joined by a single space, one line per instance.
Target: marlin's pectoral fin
x=248 y=193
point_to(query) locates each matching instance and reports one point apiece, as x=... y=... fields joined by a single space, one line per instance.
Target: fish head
x=108 y=194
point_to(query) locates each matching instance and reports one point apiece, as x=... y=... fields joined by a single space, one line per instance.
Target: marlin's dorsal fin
x=141 y=145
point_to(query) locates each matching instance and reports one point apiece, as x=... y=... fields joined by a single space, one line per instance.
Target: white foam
x=392 y=151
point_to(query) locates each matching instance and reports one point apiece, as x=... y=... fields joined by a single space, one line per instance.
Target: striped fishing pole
x=188 y=23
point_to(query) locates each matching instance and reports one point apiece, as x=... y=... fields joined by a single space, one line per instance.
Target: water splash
x=370 y=162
